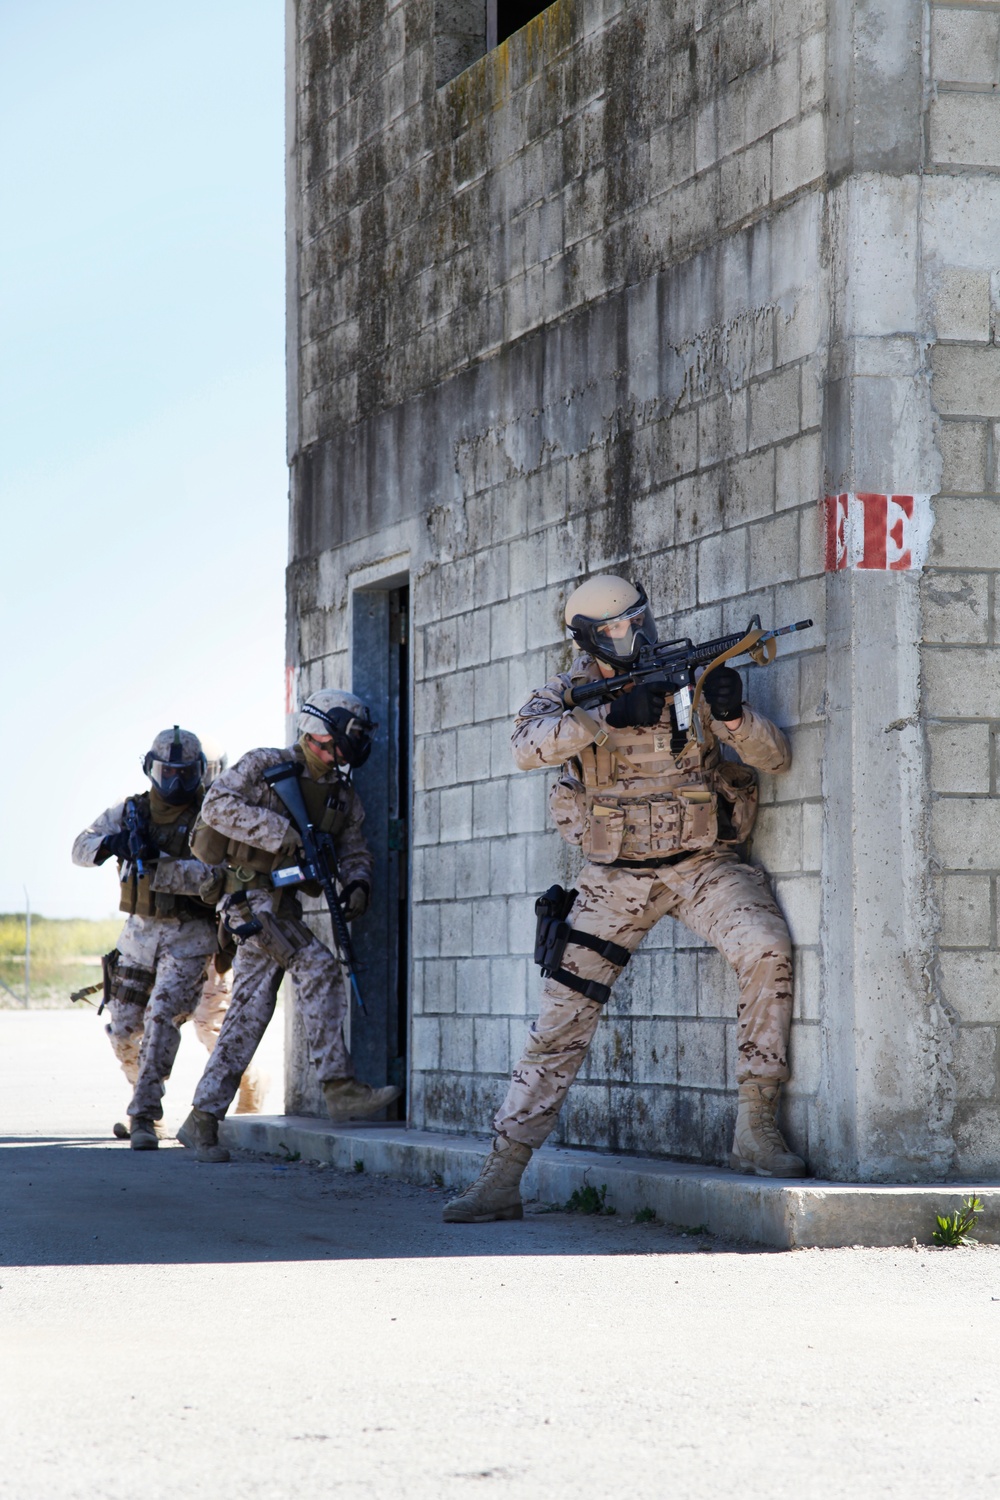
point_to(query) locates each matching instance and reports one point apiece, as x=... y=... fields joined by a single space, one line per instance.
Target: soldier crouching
x=661 y=827
x=245 y=826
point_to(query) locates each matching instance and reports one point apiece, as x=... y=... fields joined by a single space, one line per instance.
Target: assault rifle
x=137 y=837
x=134 y=868
x=320 y=863
x=671 y=664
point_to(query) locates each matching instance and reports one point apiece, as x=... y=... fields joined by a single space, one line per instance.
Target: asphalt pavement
x=277 y=1331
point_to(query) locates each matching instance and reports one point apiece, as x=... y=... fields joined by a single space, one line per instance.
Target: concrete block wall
x=597 y=254
x=633 y=291
x=961 y=654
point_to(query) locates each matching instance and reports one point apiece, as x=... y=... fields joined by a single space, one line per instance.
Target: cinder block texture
x=632 y=292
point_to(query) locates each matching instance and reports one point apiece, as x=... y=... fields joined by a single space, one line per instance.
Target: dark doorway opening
x=381 y=676
x=504 y=17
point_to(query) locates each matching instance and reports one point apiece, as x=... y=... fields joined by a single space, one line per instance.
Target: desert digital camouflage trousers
x=720 y=899
x=128 y=1024
x=320 y=999
x=153 y=1031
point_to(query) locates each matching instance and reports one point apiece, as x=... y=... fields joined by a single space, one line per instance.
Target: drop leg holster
x=553 y=935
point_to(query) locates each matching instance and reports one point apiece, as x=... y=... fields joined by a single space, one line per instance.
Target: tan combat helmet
x=342 y=715
x=611 y=618
x=175 y=764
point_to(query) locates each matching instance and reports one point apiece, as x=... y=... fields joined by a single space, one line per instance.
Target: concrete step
x=785 y=1214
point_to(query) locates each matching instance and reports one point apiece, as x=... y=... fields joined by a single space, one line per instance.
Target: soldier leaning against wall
x=167 y=964
x=661 y=833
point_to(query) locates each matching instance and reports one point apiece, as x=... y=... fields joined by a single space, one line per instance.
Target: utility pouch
x=207 y=844
x=553 y=935
x=605 y=832
x=242 y=922
x=738 y=798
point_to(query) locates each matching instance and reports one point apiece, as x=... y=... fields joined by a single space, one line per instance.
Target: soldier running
x=246 y=827
x=162 y=974
x=661 y=834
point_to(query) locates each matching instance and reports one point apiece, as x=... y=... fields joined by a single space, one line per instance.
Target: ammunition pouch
x=129 y=984
x=553 y=935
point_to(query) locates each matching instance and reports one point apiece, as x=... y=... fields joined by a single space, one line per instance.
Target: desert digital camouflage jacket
x=240 y=805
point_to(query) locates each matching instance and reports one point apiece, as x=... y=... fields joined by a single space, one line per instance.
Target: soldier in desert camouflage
x=661 y=835
x=168 y=968
x=244 y=825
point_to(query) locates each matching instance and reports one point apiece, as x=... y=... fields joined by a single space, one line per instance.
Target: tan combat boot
x=253 y=1087
x=758 y=1145
x=142 y=1135
x=347 y=1099
x=496 y=1192
x=200 y=1134
x=122 y=1132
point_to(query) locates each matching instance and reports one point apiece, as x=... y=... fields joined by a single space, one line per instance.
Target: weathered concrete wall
x=960 y=209
x=635 y=290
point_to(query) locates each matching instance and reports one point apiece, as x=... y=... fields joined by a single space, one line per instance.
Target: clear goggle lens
x=619 y=637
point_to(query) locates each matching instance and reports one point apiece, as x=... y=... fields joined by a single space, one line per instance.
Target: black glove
x=354 y=899
x=113 y=846
x=724 y=693
x=640 y=707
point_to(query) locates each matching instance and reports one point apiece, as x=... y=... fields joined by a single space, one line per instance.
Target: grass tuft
x=953 y=1229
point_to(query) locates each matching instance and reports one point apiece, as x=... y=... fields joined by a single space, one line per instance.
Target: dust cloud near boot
x=347 y=1099
x=758 y=1145
x=253 y=1089
x=496 y=1192
x=200 y=1134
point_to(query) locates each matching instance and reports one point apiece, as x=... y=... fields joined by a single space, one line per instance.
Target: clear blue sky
x=143 y=486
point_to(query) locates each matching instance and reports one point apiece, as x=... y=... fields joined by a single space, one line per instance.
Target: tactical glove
x=724 y=693
x=116 y=846
x=639 y=708
x=112 y=846
x=354 y=899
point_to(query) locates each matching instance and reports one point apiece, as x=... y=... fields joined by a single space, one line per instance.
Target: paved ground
x=277 y=1332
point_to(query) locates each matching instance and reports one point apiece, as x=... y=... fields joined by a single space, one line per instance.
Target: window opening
x=504 y=17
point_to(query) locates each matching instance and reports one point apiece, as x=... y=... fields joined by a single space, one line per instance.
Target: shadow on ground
x=83 y=1201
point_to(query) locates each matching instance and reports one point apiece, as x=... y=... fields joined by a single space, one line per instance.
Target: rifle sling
x=763 y=655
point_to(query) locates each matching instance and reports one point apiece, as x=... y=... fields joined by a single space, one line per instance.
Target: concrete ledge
x=782 y=1214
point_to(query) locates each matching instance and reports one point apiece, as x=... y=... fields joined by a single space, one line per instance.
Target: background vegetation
x=65 y=956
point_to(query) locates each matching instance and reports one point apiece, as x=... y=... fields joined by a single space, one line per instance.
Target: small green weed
x=693 y=1229
x=359 y=1165
x=953 y=1229
x=588 y=1200
x=437 y=1179
x=644 y=1216
x=287 y=1155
